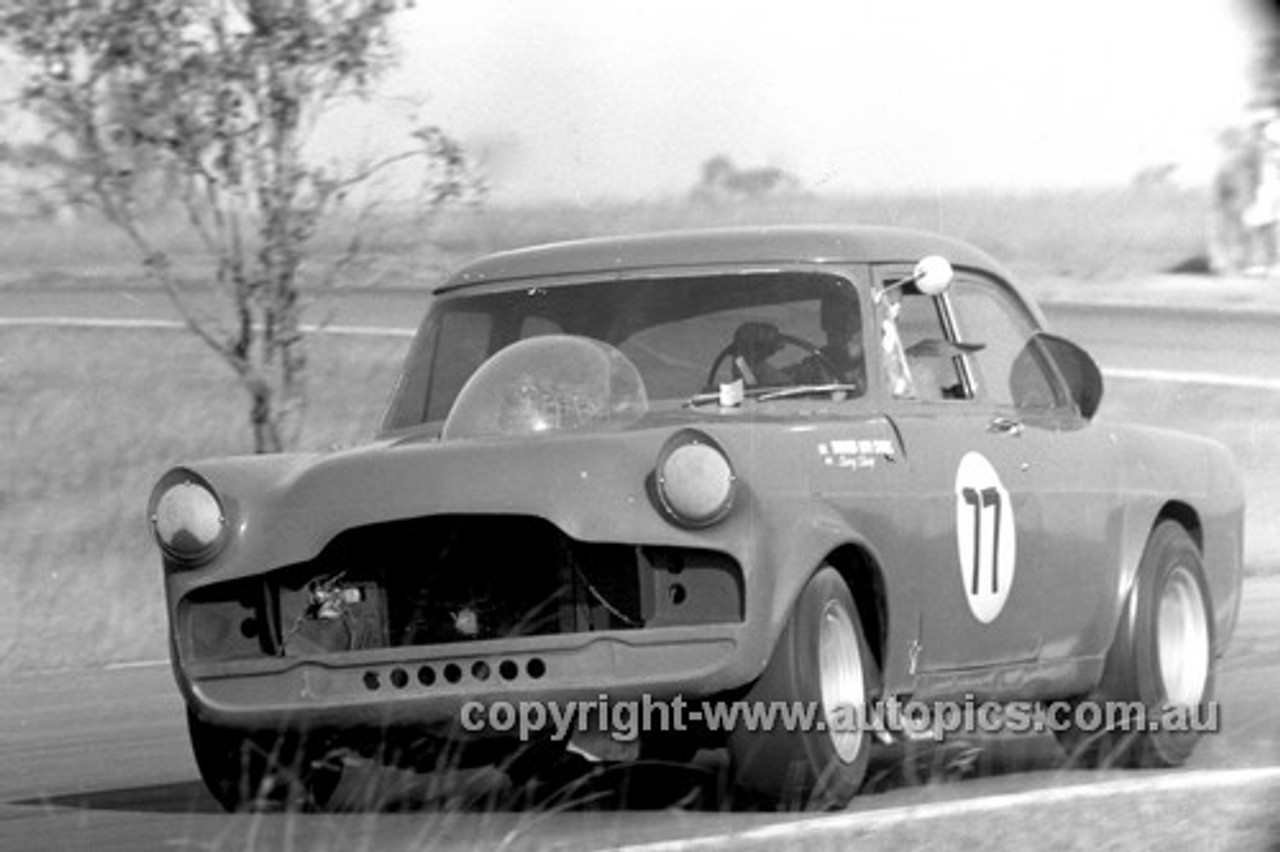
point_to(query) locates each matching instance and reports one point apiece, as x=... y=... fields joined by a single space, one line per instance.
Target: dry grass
x=92 y=418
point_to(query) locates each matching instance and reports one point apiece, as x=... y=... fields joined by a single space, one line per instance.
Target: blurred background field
x=1086 y=235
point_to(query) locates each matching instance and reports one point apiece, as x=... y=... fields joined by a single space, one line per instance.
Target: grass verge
x=92 y=418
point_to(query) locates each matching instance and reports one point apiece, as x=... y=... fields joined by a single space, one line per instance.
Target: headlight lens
x=694 y=480
x=188 y=520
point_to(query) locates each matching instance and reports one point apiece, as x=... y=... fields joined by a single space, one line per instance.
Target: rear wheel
x=821 y=660
x=246 y=771
x=1162 y=659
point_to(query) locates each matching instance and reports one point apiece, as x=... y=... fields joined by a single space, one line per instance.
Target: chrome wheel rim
x=843 y=687
x=1182 y=637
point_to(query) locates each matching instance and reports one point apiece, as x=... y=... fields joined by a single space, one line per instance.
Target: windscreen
x=683 y=335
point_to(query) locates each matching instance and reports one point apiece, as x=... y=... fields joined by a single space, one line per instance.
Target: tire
x=821 y=659
x=245 y=771
x=1162 y=656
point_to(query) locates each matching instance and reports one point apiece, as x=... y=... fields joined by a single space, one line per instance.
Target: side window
x=932 y=364
x=1009 y=368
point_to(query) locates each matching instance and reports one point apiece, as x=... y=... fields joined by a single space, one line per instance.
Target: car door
x=1071 y=462
x=972 y=538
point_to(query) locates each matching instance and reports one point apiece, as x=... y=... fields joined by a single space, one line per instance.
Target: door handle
x=1005 y=426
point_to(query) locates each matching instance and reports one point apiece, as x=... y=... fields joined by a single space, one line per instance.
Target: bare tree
x=217 y=100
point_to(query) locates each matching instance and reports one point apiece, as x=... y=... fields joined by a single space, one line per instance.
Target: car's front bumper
x=428 y=686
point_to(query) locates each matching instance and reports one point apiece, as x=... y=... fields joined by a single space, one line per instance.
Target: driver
x=842 y=324
x=840 y=359
x=754 y=343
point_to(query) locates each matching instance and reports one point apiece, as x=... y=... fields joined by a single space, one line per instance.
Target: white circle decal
x=986 y=536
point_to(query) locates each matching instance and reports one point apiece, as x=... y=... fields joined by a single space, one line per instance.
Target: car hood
x=591 y=483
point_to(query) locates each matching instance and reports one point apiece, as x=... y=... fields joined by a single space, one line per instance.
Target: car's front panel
x=499 y=567
x=447 y=606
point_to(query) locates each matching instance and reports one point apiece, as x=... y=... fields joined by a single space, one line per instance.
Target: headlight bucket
x=693 y=481
x=187 y=518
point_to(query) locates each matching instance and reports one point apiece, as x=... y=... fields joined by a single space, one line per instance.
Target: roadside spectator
x=1234 y=184
x=1263 y=216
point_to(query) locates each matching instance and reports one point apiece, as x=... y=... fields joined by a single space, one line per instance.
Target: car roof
x=743 y=245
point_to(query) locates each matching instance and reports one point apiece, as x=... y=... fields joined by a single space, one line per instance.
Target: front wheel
x=1161 y=661
x=245 y=771
x=821 y=662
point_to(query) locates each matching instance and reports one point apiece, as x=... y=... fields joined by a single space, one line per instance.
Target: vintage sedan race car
x=810 y=467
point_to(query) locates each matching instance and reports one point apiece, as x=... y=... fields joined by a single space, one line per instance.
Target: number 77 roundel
x=986 y=536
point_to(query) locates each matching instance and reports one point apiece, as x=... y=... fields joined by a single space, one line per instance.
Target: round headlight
x=695 y=482
x=187 y=520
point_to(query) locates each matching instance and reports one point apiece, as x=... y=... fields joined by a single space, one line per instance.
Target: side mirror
x=933 y=275
x=1081 y=372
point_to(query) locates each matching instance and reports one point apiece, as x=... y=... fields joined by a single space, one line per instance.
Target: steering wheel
x=757 y=342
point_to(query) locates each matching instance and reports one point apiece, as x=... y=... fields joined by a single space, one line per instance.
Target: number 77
x=979 y=500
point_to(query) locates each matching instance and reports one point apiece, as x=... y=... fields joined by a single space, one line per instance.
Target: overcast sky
x=583 y=99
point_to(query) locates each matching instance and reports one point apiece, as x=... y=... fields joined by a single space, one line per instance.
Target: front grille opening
x=441 y=580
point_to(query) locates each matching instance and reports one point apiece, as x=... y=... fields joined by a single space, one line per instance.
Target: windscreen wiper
x=808 y=390
x=769 y=394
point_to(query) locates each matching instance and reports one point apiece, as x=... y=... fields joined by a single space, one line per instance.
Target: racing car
x=830 y=467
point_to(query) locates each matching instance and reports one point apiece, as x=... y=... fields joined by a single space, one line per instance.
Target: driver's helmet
x=757 y=341
x=841 y=316
x=842 y=324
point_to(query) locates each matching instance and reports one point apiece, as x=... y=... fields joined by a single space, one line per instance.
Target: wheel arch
x=862 y=573
x=1138 y=534
x=1215 y=548
x=1178 y=511
x=1196 y=483
x=1186 y=516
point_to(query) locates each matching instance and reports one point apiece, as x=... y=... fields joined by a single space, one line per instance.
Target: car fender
x=1197 y=482
x=242 y=482
x=815 y=532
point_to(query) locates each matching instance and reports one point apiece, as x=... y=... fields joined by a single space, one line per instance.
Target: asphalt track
x=99 y=760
